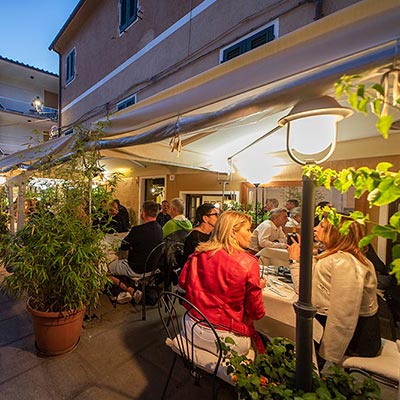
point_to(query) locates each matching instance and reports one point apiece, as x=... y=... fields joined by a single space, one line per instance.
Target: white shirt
x=267 y=234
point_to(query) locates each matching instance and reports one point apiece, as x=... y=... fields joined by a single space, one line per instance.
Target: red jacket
x=226 y=288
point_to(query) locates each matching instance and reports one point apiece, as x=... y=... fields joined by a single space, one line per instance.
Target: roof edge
x=67 y=22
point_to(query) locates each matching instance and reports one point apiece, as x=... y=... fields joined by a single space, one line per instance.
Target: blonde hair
x=335 y=241
x=222 y=237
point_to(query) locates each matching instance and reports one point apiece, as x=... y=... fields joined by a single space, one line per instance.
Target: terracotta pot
x=56 y=333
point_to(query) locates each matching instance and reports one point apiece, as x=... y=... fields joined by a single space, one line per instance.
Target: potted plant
x=272 y=376
x=57 y=258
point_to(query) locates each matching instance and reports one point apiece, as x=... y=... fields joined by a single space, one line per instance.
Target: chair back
x=173 y=310
x=153 y=259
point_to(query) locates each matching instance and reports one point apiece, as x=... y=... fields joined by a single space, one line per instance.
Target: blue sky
x=28 y=27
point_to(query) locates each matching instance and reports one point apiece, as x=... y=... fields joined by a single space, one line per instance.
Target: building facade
x=119 y=55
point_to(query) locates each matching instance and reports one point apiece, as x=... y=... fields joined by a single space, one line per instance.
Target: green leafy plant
x=57 y=259
x=374 y=98
x=382 y=185
x=272 y=376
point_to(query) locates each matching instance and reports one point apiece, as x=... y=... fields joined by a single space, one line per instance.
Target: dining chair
x=384 y=368
x=147 y=279
x=173 y=310
x=150 y=267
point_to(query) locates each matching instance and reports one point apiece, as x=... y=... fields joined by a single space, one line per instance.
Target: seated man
x=174 y=232
x=163 y=216
x=178 y=227
x=139 y=242
x=270 y=233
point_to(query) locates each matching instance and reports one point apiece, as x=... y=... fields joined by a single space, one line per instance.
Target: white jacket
x=342 y=289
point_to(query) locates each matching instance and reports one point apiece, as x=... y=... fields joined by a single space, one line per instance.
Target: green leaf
x=384 y=231
x=229 y=340
x=379 y=88
x=384 y=166
x=376 y=106
x=383 y=125
x=395 y=220
x=353 y=100
x=366 y=240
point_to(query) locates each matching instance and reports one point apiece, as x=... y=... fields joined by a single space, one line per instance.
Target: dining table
x=280 y=317
x=111 y=244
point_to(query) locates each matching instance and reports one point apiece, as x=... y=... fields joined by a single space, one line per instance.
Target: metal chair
x=147 y=278
x=151 y=265
x=384 y=368
x=182 y=341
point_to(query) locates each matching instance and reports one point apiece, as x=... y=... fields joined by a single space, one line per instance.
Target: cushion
x=386 y=364
x=204 y=359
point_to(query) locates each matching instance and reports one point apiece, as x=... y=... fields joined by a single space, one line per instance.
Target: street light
x=311 y=139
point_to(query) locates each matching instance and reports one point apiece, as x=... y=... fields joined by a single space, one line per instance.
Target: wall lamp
x=310 y=139
x=37 y=103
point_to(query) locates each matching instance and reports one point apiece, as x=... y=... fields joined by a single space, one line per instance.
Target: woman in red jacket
x=223 y=281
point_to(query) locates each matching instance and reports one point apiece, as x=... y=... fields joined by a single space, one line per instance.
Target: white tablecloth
x=272 y=256
x=280 y=317
x=112 y=243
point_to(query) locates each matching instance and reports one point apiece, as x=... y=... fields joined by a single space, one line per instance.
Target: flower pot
x=56 y=333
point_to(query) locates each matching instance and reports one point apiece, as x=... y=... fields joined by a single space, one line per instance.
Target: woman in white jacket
x=344 y=293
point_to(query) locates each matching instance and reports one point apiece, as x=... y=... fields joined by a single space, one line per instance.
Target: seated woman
x=223 y=281
x=344 y=288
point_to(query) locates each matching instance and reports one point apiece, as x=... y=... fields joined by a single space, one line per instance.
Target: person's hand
x=294 y=249
x=263 y=283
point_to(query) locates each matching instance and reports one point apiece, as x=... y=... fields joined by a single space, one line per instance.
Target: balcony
x=26 y=109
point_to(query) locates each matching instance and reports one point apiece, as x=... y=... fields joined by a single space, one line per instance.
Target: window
x=128 y=13
x=126 y=103
x=70 y=67
x=250 y=42
x=69 y=132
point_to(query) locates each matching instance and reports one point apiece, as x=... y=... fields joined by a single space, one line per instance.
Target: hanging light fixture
x=312 y=129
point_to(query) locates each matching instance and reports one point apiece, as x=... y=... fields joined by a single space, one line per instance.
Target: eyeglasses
x=209 y=215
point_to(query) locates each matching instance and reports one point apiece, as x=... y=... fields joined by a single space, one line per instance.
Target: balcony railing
x=25 y=108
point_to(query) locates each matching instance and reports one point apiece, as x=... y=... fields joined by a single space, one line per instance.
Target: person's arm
x=264 y=235
x=294 y=255
x=347 y=284
x=253 y=304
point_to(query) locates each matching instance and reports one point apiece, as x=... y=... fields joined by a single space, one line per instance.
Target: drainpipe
x=318 y=8
x=59 y=91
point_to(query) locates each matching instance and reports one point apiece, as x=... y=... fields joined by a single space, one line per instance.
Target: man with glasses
x=206 y=217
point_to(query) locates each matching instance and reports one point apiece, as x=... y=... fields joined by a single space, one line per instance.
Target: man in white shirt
x=270 y=233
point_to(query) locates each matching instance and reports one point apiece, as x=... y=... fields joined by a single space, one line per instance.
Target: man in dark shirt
x=163 y=216
x=139 y=242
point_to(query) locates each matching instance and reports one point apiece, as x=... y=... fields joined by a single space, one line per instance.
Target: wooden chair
x=384 y=368
x=173 y=309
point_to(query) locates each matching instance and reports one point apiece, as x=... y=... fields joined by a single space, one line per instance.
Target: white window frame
x=274 y=23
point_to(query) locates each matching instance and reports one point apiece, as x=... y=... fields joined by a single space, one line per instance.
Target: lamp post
x=256 y=216
x=310 y=139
